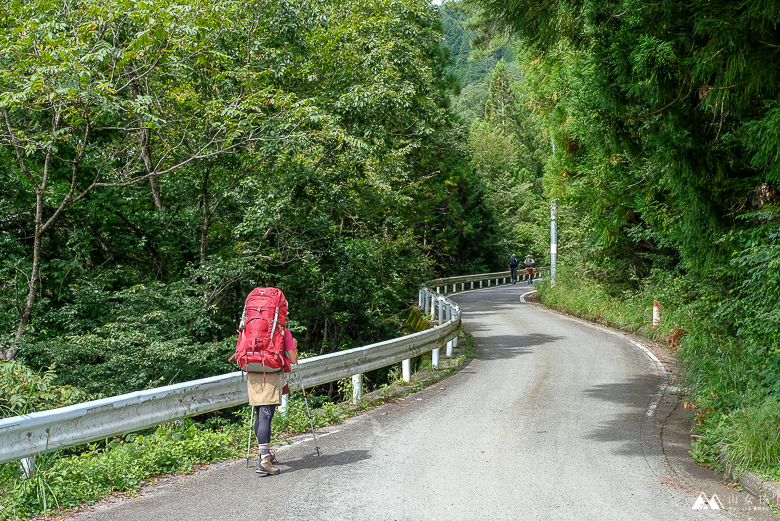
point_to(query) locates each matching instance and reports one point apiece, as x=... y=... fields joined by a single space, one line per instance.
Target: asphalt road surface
x=555 y=420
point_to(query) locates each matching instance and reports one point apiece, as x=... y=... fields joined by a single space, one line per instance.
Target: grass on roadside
x=731 y=383
x=62 y=480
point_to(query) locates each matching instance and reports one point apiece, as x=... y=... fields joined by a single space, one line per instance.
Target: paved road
x=555 y=420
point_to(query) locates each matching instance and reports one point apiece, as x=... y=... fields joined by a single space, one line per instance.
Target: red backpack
x=260 y=346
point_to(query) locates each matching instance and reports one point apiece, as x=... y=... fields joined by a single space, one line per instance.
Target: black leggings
x=264 y=415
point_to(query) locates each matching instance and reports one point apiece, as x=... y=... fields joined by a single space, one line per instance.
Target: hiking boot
x=266 y=467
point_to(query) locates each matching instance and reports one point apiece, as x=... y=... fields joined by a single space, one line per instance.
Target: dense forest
x=507 y=141
x=160 y=162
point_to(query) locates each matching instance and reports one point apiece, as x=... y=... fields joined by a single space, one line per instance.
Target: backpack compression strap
x=276 y=317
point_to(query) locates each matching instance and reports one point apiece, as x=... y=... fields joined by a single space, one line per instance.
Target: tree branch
x=14 y=142
x=73 y=178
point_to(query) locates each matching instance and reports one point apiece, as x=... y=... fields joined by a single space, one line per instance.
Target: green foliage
x=468 y=66
x=120 y=465
x=472 y=67
x=757 y=259
x=158 y=161
x=753 y=438
x=508 y=152
x=296 y=419
x=470 y=104
x=212 y=149
x=507 y=139
x=153 y=335
x=736 y=415
x=501 y=106
x=23 y=391
x=657 y=143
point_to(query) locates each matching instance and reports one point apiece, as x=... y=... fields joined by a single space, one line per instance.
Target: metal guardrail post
x=449 y=342
x=433 y=305
x=357 y=388
x=435 y=352
x=455 y=339
x=426 y=303
x=406 y=370
x=28 y=467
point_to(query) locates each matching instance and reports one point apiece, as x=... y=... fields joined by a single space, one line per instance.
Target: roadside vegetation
x=161 y=161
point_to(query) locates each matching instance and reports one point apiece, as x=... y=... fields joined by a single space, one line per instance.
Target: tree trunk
x=145 y=138
x=33 y=285
x=146 y=154
x=35 y=276
x=156 y=193
x=204 y=231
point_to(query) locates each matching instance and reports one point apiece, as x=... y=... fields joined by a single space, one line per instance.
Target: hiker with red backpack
x=265 y=350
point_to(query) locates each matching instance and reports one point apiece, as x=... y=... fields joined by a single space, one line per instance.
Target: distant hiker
x=265 y=350
x=529 y=268
x=513 y=264
x=265 y=394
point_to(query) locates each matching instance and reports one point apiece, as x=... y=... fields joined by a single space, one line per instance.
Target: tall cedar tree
x=500 y=108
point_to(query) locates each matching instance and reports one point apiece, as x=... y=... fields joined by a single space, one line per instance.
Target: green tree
x=94 y=98
x=501 y=105
x=308 y=146
x=649 y=96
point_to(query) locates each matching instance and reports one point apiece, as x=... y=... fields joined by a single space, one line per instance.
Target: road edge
x=767 y=491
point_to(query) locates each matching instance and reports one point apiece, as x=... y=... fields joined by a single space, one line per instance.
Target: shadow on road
x=504 y=347
x=325 y=460
x=635 y=397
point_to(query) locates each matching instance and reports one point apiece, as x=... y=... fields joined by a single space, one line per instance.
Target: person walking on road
x=513 y=264
x=265 y=394
x=529 y=268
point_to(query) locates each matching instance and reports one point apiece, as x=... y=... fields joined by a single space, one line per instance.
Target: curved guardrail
x=489 y=277
x=48 y=431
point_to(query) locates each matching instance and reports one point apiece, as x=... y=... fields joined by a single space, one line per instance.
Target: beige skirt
x=265 y=388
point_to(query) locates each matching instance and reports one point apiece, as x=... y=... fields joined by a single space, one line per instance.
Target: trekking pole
x=308 y=412
x=249 y=441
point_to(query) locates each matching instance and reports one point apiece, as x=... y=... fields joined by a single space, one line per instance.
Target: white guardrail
x=26 y=436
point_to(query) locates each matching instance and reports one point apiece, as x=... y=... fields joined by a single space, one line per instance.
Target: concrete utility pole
x=553 y=240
